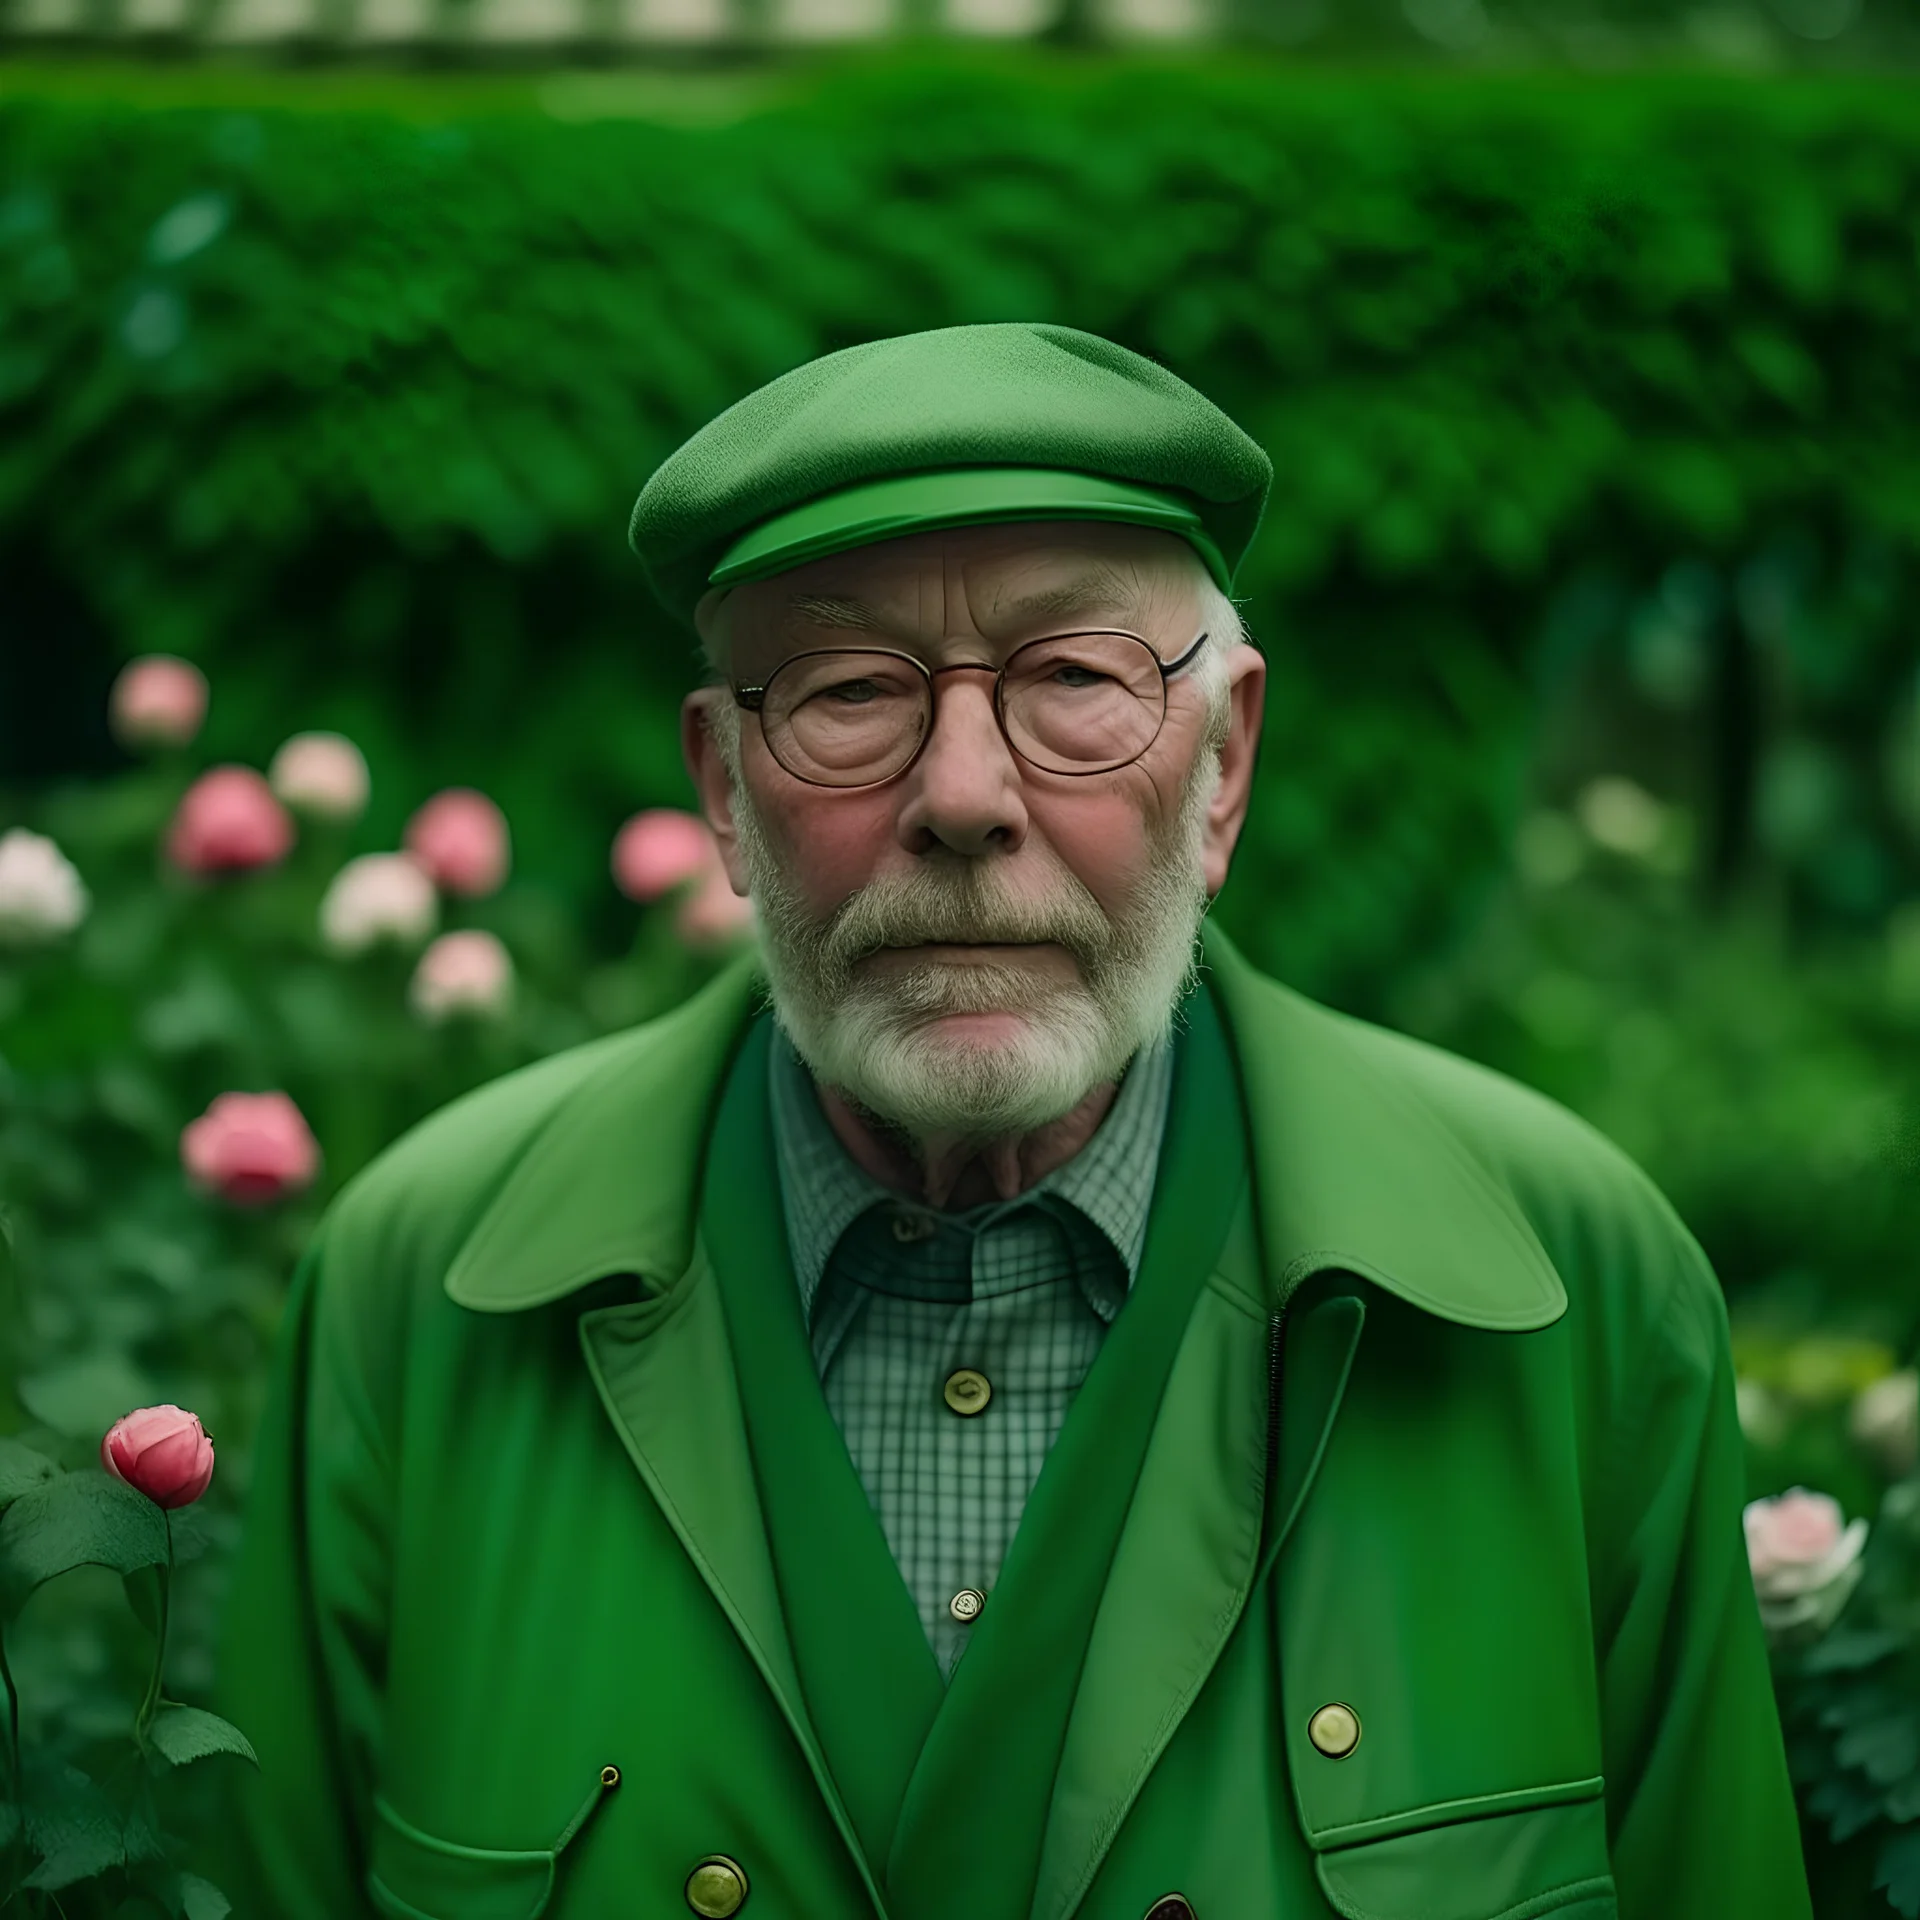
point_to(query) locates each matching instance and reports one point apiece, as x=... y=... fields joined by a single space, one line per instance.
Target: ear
x=1227 y=813
x=708 y=771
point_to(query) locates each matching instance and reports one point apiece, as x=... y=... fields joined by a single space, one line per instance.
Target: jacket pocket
x=414 y=1876
x=1491 y=1861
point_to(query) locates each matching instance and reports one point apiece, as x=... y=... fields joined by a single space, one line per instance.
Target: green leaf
x=1852 y=1649
x=201 y=1899
x=83 y=1397
x=78 y=1520
x=1885 y=1749
x=1898 y=1870
x=21 y=1470
x=180 y=1734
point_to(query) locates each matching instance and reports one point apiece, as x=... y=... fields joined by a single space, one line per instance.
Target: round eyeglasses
x=1071 y=703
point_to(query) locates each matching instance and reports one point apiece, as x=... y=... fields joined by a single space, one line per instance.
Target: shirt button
x=717 y=1886
x=1335 y=1730
x=966 y=1391
x=966 y=1604
x=909 y=1227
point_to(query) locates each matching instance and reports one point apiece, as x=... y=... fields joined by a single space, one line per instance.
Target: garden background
x=1588 y=588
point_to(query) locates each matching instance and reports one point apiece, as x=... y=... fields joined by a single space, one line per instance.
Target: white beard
x=875 y=1038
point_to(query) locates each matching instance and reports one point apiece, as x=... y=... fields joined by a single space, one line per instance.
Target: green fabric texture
x=927 y=1776
x=957 y=497
x=1009 y=394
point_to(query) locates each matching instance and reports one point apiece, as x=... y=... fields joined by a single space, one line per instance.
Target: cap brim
x=958 y=497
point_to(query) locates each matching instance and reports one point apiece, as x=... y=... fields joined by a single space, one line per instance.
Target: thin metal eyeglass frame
x=753 y=699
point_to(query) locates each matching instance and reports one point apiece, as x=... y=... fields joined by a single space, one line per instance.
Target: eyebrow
x=1102 y=589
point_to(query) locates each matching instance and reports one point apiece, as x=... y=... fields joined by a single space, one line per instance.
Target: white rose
x=321 y=773
x=41 y=895
x=1805 y=1560
x=1885 y=1421
x=380 y=896
x=464 y=972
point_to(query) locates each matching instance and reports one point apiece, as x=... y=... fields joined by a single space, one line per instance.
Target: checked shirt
x=897 y=1296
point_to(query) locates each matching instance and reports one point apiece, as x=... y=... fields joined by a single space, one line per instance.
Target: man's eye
x=851 y=693
x=1070 y=674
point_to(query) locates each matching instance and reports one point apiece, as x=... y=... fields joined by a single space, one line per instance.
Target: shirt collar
x=824 y=1190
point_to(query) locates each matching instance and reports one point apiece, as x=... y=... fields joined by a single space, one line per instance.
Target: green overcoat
x=1447 y=1441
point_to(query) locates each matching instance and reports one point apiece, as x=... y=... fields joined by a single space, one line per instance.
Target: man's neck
x=952 y=1171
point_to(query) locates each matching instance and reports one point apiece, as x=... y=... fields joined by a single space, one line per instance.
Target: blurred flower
x=460 y=838
x=163 y=1451
x=465 y=972
x=1621 y=815
x=659 y=849
x=158 y=701
x=41 y=895
x=1805 y=1562
x=320 y=773
x=1885 y=1421
x=713 y=915
x=379 y=896
x=1763 y=1414
x=250 y=1148
x=228 y=822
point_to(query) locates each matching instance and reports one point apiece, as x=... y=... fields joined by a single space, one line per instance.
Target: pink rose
x=1805 y=1561
x=713 y=915
x=250 y=1148
x=464 y=972
x=460 y=837
x=321 y=773
x=659 y=850
x=228 y=822
x=163 y=1451
x=157 y=701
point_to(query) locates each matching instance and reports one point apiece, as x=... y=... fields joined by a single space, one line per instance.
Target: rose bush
x=187 y=1071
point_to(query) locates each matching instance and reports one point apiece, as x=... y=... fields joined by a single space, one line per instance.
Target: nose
x=963 y=793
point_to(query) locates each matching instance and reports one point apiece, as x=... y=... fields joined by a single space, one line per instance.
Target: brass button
x=717 y=1886
x=966 y=1391
x=966 y=1604
x=1171 y=1906
x=1335 y=1730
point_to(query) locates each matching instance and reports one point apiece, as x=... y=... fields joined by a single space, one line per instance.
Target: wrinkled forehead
x=998 y=584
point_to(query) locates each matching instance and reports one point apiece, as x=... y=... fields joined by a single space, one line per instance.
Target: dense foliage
x=1593 y=746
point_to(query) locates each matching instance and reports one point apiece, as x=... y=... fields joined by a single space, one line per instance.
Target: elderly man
x=1028 y=1425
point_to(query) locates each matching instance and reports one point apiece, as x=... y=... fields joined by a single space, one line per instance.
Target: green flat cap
x=960 y=426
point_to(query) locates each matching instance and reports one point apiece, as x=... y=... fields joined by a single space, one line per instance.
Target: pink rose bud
x=464 y=972
x=460 y=837
x=163 y=1451
x=157 y=701
x=250 y=1148
x=228 y=822
x=324 y=774
x=713 y=915
x=659 y=850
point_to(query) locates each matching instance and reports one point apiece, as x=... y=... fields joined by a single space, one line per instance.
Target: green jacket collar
x=1354 y=1167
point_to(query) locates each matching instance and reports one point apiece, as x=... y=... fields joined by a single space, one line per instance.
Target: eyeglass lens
x=1078 y=703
